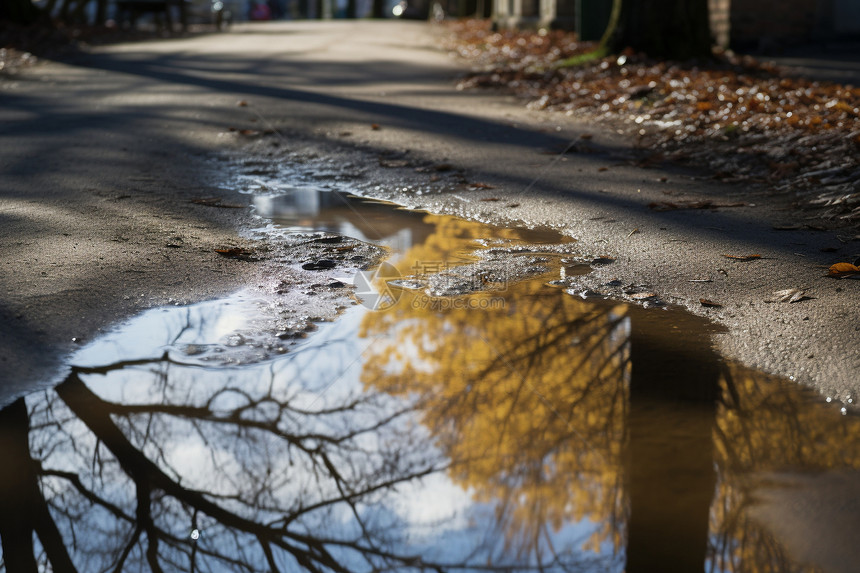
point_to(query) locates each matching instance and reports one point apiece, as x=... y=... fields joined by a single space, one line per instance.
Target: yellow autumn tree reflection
x=532 y=402
x=527 y=399
x=454 y=240
x=765 y=425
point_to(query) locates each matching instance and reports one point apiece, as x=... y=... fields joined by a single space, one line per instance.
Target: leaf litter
x=745 y=120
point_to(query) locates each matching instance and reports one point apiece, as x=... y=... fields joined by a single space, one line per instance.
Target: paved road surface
x=101 y=156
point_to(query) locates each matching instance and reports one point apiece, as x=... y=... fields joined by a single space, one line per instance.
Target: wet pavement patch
x=466 y=413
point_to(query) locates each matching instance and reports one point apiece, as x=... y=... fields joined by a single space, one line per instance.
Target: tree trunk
x=19 y=11
x=673 y=29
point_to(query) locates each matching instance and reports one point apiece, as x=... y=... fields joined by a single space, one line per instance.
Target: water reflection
x=547 y=433
x=313 y=209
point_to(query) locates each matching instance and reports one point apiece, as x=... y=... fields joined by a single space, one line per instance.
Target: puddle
x=512 y=427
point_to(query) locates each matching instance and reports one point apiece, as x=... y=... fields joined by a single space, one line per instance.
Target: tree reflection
x=541 y=413
x=766 y=426
x=529 y=402
x=670 y=464
x=242 y=475
x=580 y=435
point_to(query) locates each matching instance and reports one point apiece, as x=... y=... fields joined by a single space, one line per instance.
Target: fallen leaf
x=241 y=103
x=743 y=258
x=237 y=253
x=586 y=136
x=489 y=199
x=375 y=126
x=481 y=186
x=249 y=132
x=443 y=167
x=710 y=303
x=643 y=295
x=603 y=169
x=512 y=205
x=790 y=295
x=843 y=270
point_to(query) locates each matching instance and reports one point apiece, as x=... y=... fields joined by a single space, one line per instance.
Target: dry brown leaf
x=643 y=295
x=375 y=126
x=743 y=258
x=241 y=103
x=489 y=199
x=481 y=186
x=710 y=303
x=843 y=270
x=790 y=295
x=237 y=253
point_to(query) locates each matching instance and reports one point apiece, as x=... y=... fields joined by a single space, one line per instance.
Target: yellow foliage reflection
x=765 y=425
x=531 y=400
x=528 y=399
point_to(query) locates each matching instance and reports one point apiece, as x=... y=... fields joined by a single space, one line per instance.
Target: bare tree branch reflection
x=346 y=455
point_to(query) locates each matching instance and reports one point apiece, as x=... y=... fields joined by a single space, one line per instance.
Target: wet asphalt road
x=102 y=155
